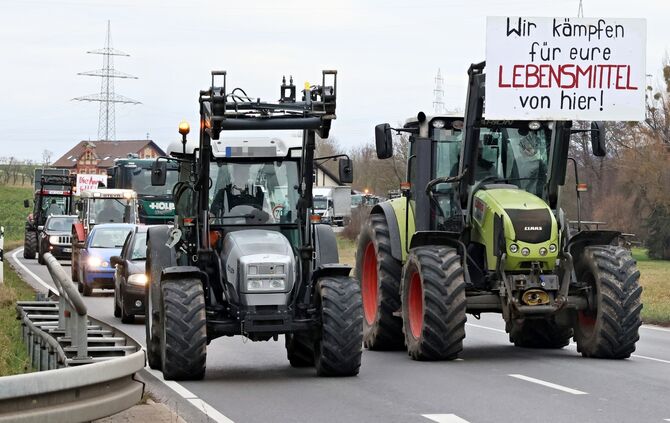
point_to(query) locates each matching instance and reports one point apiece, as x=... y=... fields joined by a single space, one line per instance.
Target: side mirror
x=40 y=228
x=115 y=260
x=384 y=141
x=158 y=173
x=26 y=204
x=598 y=139
x=346 y=171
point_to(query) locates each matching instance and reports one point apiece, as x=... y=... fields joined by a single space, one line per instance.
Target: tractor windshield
x=243 y=193
x=515 y=154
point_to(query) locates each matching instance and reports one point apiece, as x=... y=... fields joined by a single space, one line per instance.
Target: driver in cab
x=240 y=200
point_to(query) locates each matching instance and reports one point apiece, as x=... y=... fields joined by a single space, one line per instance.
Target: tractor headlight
x=525 y=251
x=266 y=285
x=513 y=248
x=139 y=279
x=552 y=248
x=253 y=270
x=543 y=251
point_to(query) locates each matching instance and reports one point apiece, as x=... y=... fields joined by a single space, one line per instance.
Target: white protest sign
x=88 y=182
x=565 y=68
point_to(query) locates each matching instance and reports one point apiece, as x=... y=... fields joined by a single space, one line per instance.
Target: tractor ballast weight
x=243 y=257
x=488 y=220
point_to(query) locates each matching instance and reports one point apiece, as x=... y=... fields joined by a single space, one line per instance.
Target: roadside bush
x=358 y=216
x=658 y=240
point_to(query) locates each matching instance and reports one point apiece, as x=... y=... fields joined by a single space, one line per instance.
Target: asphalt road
x=493 y=382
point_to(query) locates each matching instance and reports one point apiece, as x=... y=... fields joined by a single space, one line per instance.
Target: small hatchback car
x=104 y=241
x=130 y=278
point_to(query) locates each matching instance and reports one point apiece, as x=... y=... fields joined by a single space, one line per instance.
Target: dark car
x=104 y=241
x=130 y=278
x=55 y=237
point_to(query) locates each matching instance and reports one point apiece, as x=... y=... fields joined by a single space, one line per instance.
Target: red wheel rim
x=415 y=305
x=369 y=283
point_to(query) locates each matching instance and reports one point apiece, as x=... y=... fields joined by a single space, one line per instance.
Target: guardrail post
x=44 y=356
x=80 y=336
x=36 y=353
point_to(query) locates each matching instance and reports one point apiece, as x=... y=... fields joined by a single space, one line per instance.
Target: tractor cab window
x=111 y=210
x=253 y=193
x=515 y=154
x=54 y=205
x=447 y=155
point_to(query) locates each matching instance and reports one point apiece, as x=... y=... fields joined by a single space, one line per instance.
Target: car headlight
x=53 y=239
x=94 y=261
x=266 y=285
x=138 y=279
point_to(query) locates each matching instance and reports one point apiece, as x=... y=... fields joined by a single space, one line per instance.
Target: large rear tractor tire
x=433 y=303
x=29 y=244
x=159 y=256
x=339 y=344
x=539 y=333
x=184 y=329
x=609 y=329
x=379 y=275
x=300 y=349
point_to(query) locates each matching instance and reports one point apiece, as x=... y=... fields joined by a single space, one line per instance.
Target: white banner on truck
x=565 y=68
x=88 y=182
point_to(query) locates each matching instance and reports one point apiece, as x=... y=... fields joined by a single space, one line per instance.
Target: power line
x=438 y=94
x=107 y=97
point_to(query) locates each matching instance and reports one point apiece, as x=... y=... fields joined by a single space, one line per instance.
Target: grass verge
x=13 y=353
x=655 y=280
x=347 y=250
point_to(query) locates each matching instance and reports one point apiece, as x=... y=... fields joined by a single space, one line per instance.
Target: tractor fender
x=582 y=239
x=183 y=272
x=423 y=238
x=78 y=231
x=386 y=209
x=325 y=245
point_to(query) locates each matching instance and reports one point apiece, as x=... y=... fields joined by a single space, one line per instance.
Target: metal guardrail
x=90 y=375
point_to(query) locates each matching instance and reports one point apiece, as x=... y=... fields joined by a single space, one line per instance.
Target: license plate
x=67 y=250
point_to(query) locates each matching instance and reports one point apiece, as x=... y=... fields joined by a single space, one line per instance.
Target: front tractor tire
x=29 y=244
x=433 y=303
x=300 y=349
x=339 y=344
x=379 y=275
x=183 y=341
x=609 y=329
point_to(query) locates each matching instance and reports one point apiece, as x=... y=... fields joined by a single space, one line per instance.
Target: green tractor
x=480 y=229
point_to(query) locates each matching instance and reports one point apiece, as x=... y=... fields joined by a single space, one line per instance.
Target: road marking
x=485 y=327
x=445 y=418
x=644 y=357
x=549 y=384
x=208 y=410
x=34 y=276
x=573 y=345
x=658 y=328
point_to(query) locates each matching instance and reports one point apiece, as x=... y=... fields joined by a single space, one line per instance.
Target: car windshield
x=109 y=237
x=253 y=193
x=516 y=155
x=140 y=182
x=320 y=203
x=139 y=247
x=62 y=224
x=356 y=200
x=111 y=210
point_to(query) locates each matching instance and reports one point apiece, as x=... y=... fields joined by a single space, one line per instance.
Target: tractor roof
x=413 y=121
x=109 y=193
x=230 y=147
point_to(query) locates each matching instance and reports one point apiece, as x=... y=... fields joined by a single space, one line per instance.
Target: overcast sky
x=387 y=53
